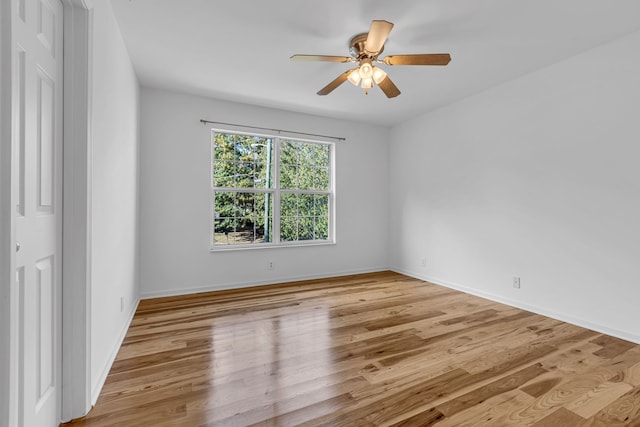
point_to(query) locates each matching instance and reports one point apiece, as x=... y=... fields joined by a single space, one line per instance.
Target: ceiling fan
x=364 y=49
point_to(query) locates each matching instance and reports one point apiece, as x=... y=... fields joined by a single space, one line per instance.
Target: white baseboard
x=97 y=388
x=625 y=335
x=248 y=284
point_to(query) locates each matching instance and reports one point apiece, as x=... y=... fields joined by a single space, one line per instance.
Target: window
x=270 y=191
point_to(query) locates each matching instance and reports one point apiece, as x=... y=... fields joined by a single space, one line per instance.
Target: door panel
x=37 y=188
x=18 y=163
x=46 y=139
x=45 y=331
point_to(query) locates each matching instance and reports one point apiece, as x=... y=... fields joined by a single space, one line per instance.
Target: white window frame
x=276 y=191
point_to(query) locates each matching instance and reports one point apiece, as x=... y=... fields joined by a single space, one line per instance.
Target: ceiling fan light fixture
x=354 y=77
x=367 y=83
x=378 y=75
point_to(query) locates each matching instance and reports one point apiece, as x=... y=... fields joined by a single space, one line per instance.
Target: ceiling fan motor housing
x=356 y=47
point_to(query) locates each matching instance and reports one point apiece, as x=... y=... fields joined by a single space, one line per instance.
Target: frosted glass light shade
x=378 y=75
x=354 y=77
x=366 y=70
x=367 y=83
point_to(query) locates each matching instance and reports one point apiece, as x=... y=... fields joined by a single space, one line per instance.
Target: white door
x=37 y=185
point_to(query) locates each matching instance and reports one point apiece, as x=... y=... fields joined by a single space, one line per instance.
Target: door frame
x=76 y=218
x=76 y=235
x=7 y=345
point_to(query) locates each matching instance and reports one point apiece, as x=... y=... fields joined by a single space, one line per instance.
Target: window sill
x=223 y=248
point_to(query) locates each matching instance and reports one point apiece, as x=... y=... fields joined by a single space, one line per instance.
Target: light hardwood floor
x=378 y=349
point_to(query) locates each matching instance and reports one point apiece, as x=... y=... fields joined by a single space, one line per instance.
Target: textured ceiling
x=239 y=50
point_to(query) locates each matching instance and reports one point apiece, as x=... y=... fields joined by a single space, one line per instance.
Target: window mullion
x=276 y=195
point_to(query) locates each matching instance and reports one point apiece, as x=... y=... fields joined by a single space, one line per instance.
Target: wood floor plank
x=428 y=417
x=378 y=349
x=561 y=417
x=622 y=412
x=498 y=408
x=632 y=375
x=611 y=346
x=597 y=398
x=483 y=393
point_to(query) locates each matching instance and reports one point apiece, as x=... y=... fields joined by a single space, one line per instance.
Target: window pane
x=263 y=176
x=247 y=146
x=223 y=230
x=306 y=154
x=305 y=205
x=288 y=229
x=263 y=215
x=243 y=205
x=223 y=173
x=223 y=147
x=259 y=149
x=305 y=228
x=244 y=232
x=321 y=179
x=322 y=228
x=224 y=205
x=264 y=229
x=259 y=175
x=288 y=204
x=321 y=212
x=288 y=177
x=244 y=175
x=305 y=177
x=321 y=205
x=288 y=153
x=321 y=155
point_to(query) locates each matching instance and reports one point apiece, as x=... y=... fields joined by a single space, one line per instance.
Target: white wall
x=536 y=178
x=175 y=199
x=114 y=192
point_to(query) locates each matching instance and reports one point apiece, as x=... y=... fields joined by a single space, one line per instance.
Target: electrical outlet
x=516 y=282
x=423 y=262
x=270 y=265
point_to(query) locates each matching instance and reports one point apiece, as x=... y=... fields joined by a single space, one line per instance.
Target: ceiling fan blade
x=335 y=83
x=325 y=58
x=420 y=59
x=389 y=88
x=378 y=33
